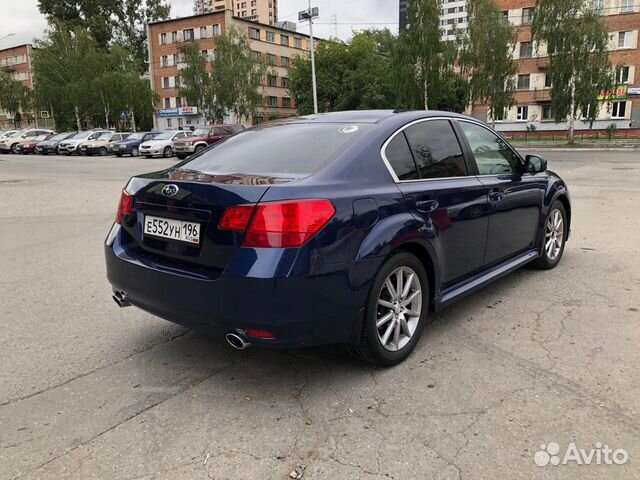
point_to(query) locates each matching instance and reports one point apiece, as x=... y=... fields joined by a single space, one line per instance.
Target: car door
x=434 y=178
x=514 y=196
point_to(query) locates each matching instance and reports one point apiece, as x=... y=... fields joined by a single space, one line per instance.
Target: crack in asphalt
x=95 y=370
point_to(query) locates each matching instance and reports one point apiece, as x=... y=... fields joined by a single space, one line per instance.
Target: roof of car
x=375 y=116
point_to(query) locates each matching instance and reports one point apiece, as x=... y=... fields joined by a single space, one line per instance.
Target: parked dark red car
x=202 y=137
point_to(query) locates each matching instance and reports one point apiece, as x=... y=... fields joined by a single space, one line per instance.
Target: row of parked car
x=180 y=143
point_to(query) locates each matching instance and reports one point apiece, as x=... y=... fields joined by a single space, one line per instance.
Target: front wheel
x=134 y=152
x=102 y=151
x=396 y=311
x=181 y=157
x=199 y=148
x=168 y=152
x=555 y=237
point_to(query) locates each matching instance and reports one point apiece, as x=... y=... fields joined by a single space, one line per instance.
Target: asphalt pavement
x=536 y=361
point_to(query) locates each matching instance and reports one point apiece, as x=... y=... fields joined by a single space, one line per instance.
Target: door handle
x=427 y=206
x=496 y=194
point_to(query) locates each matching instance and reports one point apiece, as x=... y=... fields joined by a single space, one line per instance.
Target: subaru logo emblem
x=170 y=190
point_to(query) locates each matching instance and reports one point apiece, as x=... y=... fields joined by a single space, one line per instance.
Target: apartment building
x=453 y=17
x=274 y=46
x=263 y=11
x=533 y=97
x=16 y=62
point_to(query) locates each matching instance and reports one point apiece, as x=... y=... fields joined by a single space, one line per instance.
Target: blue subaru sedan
x=340 y=228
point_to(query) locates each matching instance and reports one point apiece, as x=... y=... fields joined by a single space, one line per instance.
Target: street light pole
x=313 y=62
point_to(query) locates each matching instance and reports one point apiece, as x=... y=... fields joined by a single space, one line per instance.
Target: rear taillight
x=125 y=207
x=278 y=224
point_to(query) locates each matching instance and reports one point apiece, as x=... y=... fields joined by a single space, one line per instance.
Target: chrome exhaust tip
x=237 y=340
x=121 y=299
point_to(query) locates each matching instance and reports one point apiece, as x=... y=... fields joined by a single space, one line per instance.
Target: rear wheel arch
x=567 y=206
x=423 y=254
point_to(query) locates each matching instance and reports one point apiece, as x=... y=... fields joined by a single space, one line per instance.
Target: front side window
x=493 y=155
x=436 y=150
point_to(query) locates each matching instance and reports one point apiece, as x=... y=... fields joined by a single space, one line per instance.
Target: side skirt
x=473 y=284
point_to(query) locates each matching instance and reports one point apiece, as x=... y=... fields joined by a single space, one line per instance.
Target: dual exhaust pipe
x=236 y=339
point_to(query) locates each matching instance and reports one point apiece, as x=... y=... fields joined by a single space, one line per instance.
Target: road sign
x=308 y=14
x=124 y=115
x=44 y=114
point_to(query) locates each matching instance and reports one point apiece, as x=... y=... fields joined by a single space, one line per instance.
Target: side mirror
x=535 y=164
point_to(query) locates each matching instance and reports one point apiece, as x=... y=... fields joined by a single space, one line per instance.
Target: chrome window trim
x=410 y=124
x=497 y=134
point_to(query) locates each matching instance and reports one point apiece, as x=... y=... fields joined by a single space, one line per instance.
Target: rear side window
x=436 y=150
x=400 y=158
x=297 y=149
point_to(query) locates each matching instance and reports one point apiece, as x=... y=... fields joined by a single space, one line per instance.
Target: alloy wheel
x=554 y=235
x=399 y=308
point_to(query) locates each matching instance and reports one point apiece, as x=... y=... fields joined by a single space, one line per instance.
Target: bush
x=611 y=130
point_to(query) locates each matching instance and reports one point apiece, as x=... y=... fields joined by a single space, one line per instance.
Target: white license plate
x=172 y=229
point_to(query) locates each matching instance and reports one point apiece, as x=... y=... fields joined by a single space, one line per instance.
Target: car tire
x=148 y=156
x=14 y=148
x=168 y=152
x=198 y=149
x=102 y=151
x=554 y=238
x=134 y=152
x=119 y=155
x=181 y=157
x=389 y=342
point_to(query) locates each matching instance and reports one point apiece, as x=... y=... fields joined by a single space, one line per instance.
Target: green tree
x=351 y=76
x=235 y=77
x=195 y=81
x=61 y=77
x=421 y=49
x=487 y=57
x=579 y=68
x=109 y=21
x=14 y=96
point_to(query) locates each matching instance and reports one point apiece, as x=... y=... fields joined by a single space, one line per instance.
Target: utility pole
x=310 y=14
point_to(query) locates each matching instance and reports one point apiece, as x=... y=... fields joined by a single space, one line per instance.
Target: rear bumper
x=300 y=311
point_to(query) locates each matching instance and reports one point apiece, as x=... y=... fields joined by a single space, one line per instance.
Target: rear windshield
x=298 y=149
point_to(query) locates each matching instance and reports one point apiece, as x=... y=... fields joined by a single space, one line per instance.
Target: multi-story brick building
x=533 y=107
x=16 y=62
x=453 y=17
x=263 y=11
x=273 y=46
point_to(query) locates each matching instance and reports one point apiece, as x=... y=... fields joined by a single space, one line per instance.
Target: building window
x=284 y=40
x=167 y=102
x=547 y=81
x=619 y=110
x=622 y=74
x=527 y=16
x=284 y=82
x=273 y=102
x=204 y=54
x=169 y=123
x=505 y=16
x=254 y=33
x=203 y=32
x=216 y=30
x=625 y=39
x=272 y=80
x=627 y=6
x=163 y=39
x=286 y=102
x=271 y=37
x=522 y=114
x=526 y=49
x=271 y=59
x=187 y=35
x=297 y=42
x=257 y=79
x=164 y=61
x=546 y=112
x=598 y=6
x=174 y=37
x=165 y=82
x=284 y=62
x=524 y=81
x=257 y=56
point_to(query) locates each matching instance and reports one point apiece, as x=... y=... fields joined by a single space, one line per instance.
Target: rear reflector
x=278 y=224
x=264 y=334
x=125 y=207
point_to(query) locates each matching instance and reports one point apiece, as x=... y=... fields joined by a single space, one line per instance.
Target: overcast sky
x=22 y=17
